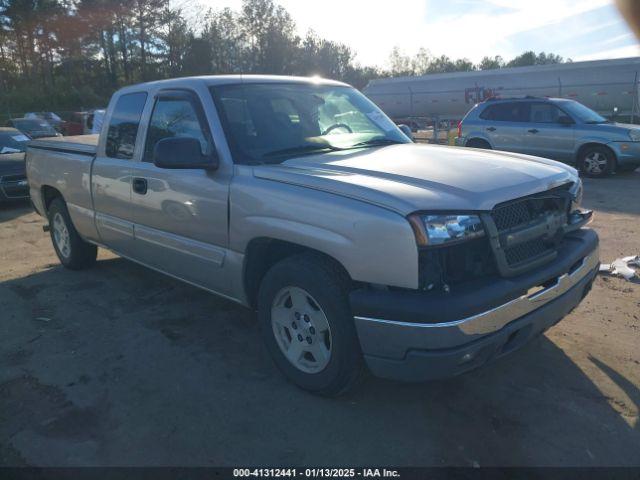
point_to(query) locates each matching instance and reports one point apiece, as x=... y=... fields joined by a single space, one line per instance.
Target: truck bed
x=82 y=144
x=64 y=164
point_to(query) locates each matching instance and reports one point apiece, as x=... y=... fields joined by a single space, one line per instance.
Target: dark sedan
x=33 y=127
x=13 y=178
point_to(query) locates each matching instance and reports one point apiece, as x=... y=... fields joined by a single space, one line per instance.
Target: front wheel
x=596 y=162
x=307 y=325
x=72 y=250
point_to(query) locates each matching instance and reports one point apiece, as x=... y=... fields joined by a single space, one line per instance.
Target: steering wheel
x=337 y=125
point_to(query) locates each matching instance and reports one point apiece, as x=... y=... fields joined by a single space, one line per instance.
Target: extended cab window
x=545 y=113
x=123 y=125
x=175 y=117
x=506 y=112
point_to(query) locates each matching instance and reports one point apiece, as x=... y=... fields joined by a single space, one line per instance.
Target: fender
x=582 y=141
x=373 y=244
x=479 y=134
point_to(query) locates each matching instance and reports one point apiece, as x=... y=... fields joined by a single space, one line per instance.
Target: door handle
x=533 y=130
x=140 y=185
x=491 y=129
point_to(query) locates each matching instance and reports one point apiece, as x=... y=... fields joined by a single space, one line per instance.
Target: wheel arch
x=262 y=253
x=478 y=138
x=594 y=143
x=49 y=194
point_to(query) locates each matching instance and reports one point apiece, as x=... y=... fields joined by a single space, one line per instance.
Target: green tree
x=269 y=33
x=491 y=63
x=225 y=43
x=176 y=37
x=399 y=63
x=318 y=56
x=421 y=61
x=531 y=58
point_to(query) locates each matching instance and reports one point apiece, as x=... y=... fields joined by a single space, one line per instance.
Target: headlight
x=431 y=230
x=576 y=192
x=634 y=135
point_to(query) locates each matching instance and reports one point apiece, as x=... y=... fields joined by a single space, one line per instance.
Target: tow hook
x=46 y=228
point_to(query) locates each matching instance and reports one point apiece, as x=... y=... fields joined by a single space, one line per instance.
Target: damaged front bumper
x=416 y=336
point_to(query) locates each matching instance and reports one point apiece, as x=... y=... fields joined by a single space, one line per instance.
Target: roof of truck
x=210 y=80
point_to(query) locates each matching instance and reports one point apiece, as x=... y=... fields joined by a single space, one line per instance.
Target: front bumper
x=627 y=153
x=413 y=336
x=13 y=187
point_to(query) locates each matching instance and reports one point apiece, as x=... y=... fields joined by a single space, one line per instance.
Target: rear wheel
x=307 y=324
x=596 y=161
x=478 y=143
x=72 y=250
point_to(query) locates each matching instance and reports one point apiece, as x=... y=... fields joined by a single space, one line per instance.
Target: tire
x=73 y=252
x=596 y=162
x=478 y=143
x=321 y=292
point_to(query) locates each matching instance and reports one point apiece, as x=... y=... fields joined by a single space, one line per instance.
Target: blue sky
x=579 y=29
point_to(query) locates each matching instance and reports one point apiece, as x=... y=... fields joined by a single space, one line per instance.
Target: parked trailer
x=603 y=85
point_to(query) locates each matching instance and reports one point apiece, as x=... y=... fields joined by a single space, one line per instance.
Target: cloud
x=458 y=28
x=619 y=52
x=480 y=34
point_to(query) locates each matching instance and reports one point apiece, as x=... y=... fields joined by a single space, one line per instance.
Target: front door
x=180 y=216
x=545 y=136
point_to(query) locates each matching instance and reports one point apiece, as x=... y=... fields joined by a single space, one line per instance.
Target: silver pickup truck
x=299 y=198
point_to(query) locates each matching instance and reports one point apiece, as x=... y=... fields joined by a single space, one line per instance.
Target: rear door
x=503 y=124
x=181 y=222
x=111 y=173
x=545 y=136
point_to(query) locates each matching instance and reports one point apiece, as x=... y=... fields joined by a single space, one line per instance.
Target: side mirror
x=565 y=120
x=182 y=153
x=406 y=130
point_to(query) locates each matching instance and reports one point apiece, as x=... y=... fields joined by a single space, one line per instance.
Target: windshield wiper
x=300 y=149
x=375 y=142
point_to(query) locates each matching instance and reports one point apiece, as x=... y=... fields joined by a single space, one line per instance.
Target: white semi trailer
x=608 y=86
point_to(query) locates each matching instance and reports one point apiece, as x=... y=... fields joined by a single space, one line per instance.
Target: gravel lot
x=121 y=366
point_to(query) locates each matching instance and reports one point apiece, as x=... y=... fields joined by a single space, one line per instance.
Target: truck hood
x=410 y=177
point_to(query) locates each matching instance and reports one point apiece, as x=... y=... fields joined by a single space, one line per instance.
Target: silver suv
x=555 y=128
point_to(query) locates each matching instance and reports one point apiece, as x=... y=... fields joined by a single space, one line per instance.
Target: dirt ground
x=121 y=366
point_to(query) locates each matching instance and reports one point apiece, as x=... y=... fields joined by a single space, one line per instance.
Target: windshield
x=13 y=142
x=582 y=113
x=28 y=125
x=273 y=122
